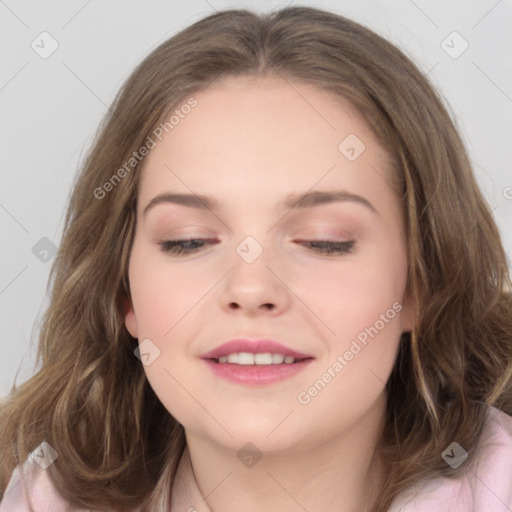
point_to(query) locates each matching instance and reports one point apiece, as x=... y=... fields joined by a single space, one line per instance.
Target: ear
x=129 y=318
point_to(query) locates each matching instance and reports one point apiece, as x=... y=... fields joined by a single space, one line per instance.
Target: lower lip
x=256 y=375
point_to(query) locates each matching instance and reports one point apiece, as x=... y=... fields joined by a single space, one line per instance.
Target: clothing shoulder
x=487 y=485
x=33 y=483
x=38 y=486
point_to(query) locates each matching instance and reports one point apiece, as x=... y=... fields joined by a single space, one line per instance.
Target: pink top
x=487 y=487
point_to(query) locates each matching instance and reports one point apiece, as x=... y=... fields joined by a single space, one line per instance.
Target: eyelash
x=329 y=246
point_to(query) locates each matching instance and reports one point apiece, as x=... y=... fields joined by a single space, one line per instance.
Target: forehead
x=264 y=134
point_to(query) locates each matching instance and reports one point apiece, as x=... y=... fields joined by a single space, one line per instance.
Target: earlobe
x=129 y=318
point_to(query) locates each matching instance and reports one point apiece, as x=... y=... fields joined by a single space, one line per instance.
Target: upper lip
x=253 y=347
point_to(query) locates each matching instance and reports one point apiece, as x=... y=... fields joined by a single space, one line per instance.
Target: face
x=257 y=266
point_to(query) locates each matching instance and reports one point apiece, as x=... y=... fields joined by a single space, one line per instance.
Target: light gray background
x=51 y=108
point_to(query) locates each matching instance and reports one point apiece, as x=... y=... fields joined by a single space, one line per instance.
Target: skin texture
x=249 y=143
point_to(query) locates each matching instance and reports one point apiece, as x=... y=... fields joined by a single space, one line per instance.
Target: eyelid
x=305 y=231
x=320 y=247
x=327 y=234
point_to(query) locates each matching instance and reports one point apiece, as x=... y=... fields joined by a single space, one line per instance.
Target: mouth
x=258 y=359
x=255 y=362
x=247 y=351
x=260 y=369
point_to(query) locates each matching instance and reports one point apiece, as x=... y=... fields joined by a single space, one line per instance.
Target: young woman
x=278 y=287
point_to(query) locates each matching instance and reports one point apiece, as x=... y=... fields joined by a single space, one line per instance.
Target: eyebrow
x=301 y=201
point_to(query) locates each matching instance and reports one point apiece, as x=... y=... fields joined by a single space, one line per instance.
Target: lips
x=254 y=347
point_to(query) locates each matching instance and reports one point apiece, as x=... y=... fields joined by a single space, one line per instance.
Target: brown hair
x=90 y=399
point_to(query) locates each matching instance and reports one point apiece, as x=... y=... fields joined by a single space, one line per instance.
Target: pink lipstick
x=255 y=362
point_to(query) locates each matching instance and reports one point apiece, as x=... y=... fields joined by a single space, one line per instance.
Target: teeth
x=277 y=358
x=266 y=358
x=263 y=358
x=245 y=358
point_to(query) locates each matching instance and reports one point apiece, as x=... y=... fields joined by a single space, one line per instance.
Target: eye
x=330 y=246
x=184 y=247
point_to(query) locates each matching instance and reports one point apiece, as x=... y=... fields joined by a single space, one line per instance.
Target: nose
x=255 y=288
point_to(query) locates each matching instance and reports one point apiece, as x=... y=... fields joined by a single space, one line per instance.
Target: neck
x=341 y=473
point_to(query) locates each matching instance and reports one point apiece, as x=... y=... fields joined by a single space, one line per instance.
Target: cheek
x=352 y=294
x=161 y=295
x=361 y=306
